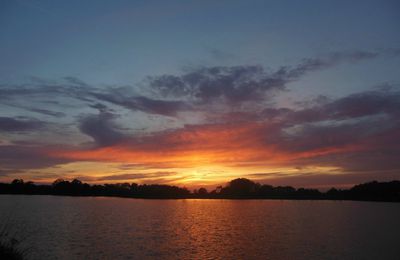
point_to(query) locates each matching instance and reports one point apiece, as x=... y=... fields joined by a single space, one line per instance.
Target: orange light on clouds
x=206 y=154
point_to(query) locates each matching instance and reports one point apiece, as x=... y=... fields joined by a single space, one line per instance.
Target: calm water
x=105 y=228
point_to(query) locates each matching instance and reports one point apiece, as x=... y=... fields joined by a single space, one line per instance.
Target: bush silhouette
x=237 y=188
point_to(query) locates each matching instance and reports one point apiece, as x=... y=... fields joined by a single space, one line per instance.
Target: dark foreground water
x=117 y=228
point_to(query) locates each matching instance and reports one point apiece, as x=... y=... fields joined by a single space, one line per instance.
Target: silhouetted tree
x=202 y=191
x=237 y=188
x=240 y=187
x=266 y=190
x=17 y=182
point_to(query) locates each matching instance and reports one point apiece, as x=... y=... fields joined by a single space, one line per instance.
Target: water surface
x=105 y=228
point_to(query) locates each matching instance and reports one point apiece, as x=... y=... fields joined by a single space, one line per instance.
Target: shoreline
x=204 y=198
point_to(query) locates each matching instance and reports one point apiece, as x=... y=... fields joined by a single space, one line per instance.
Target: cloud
x=45 y=111
x=236 y=84
x=85 y=95
x=17 y=158
x=161 y=107
x=358 y=132
x=101 y=128
x=3 y=173
x=337 y=136
x=167 y=95
x=355 y=105
x=20 y=124
x=135 y=176
x=42 y=89
x=130 y=166
x=365 y=103
x=325 y=61
x=233 y=84
x=341 y=125
x=142 y=103
x=308 y=137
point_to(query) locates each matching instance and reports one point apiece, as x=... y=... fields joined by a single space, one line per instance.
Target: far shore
x=237 y=189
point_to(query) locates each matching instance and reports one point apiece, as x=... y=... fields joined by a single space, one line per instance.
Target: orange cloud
x=192 y=146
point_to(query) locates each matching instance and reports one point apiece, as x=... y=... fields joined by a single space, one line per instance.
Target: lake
x=118 y=228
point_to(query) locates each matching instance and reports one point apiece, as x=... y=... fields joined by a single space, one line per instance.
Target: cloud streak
x=19 y=124
x=135 y=176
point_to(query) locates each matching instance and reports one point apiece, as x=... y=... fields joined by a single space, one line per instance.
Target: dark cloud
x=347 y=121
x=237 y=84
x=44 y=89
x=170 y=94
x=168 y=85
x=360 y=132
x=234 y=84
x=11 y=103
x=20 y=124
x=89 y=95
x=353 y=106
x=326 y=61
x=46 y=112
x=101 y=107
x=366 y=103
x=312 y=137
x=375 y=150
x=276 y=113
x=16 y=158
x=161 y=107
x=145 y=104
x=101 y=128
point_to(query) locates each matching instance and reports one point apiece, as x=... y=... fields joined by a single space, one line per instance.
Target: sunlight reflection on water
x=105 y=228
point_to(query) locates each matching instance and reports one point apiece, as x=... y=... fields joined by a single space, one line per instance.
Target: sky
x=196 y=93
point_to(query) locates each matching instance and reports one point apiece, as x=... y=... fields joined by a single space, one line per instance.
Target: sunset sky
x=196 y=93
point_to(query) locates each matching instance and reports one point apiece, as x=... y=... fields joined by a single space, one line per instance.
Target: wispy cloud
x=135 y=176
x=19 y=124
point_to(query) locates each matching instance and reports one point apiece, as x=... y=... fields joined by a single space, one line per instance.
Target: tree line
x=240 y=188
